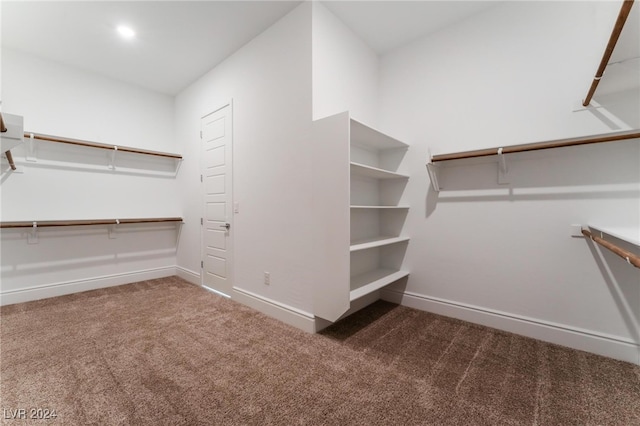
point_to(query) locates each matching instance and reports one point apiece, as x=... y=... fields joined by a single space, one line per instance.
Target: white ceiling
x=179 y=41
x=176 y=42
x=386 y=25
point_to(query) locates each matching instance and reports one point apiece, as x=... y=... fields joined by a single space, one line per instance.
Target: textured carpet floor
x=167 y=352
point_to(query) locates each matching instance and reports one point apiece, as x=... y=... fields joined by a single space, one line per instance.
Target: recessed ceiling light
x=126 y=32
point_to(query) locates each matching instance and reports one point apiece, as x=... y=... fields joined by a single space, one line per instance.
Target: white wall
x=59 y=100
x=75 y=183
x=502 y=254
x=269 y=81
x=623 y=107
x=345 y=70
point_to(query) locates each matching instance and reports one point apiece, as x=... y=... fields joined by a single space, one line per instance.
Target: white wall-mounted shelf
x=366 y=136
x=433 y=167
x=375 y=173
x=98 y=145
x=371 y=281
x=382 y=207
x=629 y=234
x=113 y=224
x=619 y=66
x=122 y=158
x=12 y=136
x=368 y=243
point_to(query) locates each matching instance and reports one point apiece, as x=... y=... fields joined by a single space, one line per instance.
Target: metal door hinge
x=201 y=221
x=201 y=264
x=201 y=178
x=200 y=134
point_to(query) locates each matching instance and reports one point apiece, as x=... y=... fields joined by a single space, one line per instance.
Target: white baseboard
x=354 y=307
x=287 y=314
x=188 y=275
x=67 y=287
x=585 y=340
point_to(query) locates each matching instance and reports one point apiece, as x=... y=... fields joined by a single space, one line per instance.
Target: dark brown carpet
x=165 y=352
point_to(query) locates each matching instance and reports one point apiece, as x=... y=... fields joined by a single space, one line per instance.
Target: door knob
x=226 y=226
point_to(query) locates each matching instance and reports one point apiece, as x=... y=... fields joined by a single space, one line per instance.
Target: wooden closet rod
x=10 y=160
x=39 y=224
x=100 y=145
x=615 y=34
x=3 y=129
x=535 y=146
x=625 y=254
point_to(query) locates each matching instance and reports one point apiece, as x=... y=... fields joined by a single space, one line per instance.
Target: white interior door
x=216 y=178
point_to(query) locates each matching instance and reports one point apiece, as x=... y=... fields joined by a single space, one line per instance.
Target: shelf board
x=380 y=207
x=629 y=234
x=99 y=145
x=12 y=136
x=374 y=172
x=375 y=242
x=366 y=283
x=85 y=222
x=368 y=137
x=7 y=144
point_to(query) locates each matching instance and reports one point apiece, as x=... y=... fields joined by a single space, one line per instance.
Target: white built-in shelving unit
x=361 y=218
x=630 y=234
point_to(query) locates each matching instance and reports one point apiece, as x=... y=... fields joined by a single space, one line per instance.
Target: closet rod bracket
x=503 y=170
x=434 y=174
x=32 y=236
x=113 y=230
x=31 y=149
x=112 y=166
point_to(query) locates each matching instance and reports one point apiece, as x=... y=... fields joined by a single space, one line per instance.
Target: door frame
x=231 y=270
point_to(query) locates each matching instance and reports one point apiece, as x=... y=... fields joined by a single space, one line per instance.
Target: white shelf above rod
x=434 y=170
x=631 y=258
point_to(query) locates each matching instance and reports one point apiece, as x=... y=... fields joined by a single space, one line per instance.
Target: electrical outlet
x=267 y=278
